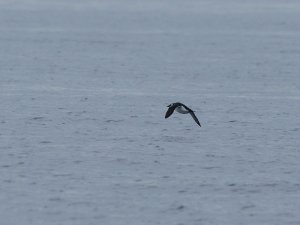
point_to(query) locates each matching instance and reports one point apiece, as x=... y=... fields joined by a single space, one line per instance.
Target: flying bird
x=181 y=108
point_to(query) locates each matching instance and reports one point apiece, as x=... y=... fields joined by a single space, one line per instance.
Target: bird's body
x=181 y=108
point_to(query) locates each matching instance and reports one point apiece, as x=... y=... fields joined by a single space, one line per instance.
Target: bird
x=181 y=108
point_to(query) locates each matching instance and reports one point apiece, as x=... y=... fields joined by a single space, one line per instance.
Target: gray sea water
x=84 y=87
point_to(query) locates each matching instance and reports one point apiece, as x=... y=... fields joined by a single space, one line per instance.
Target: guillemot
x=181 y=108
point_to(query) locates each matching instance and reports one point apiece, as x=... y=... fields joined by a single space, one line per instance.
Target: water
x=84 y=89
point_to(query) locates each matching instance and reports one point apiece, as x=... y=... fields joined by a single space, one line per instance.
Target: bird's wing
x=195 y=118
x=170 y=111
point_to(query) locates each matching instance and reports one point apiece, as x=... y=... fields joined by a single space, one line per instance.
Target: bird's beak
x=169 y=105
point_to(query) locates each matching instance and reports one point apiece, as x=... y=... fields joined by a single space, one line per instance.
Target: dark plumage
x=181 y=108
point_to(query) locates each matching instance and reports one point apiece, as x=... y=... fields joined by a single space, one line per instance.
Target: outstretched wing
x=195 y=118
x=170 y=111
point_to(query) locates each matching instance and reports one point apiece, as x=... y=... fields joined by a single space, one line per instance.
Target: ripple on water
x=177 y=139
